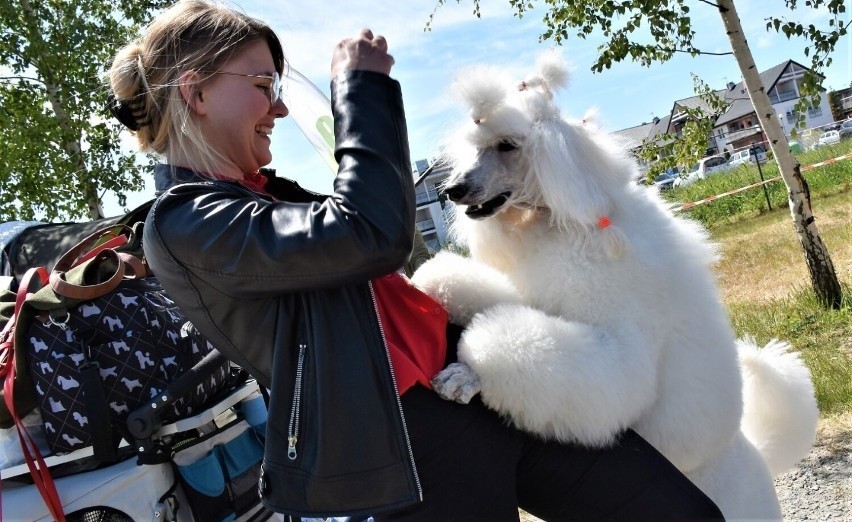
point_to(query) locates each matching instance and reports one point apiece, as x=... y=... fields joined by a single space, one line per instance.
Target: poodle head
x=516 y=150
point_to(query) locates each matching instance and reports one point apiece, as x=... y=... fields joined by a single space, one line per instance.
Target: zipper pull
x=291 y=447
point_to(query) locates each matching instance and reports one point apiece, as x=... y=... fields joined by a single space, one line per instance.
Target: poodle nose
x=456 y=192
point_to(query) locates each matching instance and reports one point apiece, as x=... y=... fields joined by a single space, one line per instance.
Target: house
x=737 y=126
x=841 y=103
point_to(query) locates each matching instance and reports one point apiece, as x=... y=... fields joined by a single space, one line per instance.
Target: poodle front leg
x=464 y=287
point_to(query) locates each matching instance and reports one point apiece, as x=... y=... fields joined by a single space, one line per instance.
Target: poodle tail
x=780 y=412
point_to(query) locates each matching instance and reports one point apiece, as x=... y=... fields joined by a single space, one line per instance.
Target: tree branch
x=10 y=79
x=717 y=6
x=696 y=51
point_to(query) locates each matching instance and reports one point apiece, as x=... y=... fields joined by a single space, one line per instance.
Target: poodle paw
x=457 y=382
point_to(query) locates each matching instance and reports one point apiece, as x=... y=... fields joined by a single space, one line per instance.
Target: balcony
x=424 y=198
x=744 y=133
x=425 y=225
x=778 y=97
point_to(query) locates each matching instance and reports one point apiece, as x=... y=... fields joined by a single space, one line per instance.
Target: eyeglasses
x=275 y=88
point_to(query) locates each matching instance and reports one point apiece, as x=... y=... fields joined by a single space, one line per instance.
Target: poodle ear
x=560 y=157
x=572 y=175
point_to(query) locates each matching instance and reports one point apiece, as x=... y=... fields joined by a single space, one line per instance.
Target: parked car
x=744 y=156
x=828 y=138
x=845 y=130
x=700 y=170
x=664 y=180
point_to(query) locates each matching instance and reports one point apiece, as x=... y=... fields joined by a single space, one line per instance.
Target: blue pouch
x=219 y=473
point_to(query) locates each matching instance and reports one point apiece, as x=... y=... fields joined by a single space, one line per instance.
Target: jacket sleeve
x=245 y=245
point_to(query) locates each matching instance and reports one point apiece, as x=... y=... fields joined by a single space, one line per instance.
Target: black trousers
x=473 y=466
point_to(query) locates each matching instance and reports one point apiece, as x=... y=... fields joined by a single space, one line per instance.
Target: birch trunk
x=820 y=267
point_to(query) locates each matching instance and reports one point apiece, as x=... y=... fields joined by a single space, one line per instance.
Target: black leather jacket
x=281 y=288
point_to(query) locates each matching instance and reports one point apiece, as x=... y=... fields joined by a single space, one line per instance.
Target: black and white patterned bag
x=101 y=359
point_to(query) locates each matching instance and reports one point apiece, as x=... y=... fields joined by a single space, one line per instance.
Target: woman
x=300 y=289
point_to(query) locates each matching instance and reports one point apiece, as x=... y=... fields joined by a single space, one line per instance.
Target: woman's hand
x=364 y=52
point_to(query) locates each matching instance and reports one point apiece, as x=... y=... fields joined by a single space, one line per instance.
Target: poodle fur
x=590 y=307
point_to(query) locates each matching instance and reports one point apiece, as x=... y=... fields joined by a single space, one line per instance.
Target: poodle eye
x=506 y=146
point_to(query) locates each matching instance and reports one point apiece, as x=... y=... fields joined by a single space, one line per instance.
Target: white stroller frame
x=131 y=489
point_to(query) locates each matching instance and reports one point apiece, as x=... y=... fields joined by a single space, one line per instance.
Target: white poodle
x=590 y=307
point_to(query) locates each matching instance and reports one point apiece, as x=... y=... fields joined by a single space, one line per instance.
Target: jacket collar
x=166 y=176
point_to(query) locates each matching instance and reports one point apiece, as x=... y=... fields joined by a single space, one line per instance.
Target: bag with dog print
x=101 y=338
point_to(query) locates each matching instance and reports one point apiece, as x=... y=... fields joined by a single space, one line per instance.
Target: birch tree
x=668 y=29
x=59 y=150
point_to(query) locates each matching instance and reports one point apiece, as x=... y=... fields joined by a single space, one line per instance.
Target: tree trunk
x=72 y=147
x=820 y=267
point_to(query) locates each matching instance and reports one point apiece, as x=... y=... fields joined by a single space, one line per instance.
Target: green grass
x=822 y=337
x=767 y=291
x=822 y=181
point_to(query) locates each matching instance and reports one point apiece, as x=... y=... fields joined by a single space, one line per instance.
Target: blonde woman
x=302 y=290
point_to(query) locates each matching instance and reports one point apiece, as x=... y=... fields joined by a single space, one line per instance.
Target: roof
x=633 y=137
x=740 y=103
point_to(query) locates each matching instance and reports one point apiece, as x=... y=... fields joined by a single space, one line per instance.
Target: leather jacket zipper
x=295 y=410
x=396 y=393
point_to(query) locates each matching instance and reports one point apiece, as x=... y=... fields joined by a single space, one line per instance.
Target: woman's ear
x=189 y=83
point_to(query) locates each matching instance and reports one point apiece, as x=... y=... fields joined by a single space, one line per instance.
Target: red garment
x=254 y=181
x=415 y=328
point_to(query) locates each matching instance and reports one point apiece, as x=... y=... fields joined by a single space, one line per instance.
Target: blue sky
x=426 y=62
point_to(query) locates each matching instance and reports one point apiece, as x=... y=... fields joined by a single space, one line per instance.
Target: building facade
x=431 y=218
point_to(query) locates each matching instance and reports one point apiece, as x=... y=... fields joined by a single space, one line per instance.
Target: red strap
x=35 y=462
x=112 y=243
x=80 y=252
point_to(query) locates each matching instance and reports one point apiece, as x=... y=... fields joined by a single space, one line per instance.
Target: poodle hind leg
x=739 y=482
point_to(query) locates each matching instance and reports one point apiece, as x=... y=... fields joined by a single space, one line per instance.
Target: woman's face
x=236 y=115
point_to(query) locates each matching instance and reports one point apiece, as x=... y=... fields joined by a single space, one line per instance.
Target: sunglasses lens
x=276 y=93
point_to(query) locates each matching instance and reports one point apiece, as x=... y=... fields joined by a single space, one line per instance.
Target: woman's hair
x=192 y=35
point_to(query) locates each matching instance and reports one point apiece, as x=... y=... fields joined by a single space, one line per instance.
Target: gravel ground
x=820 y=488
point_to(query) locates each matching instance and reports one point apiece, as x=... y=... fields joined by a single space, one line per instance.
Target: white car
x=828 y=138
x=845 y=129
x=700 y=170
x=744 y=156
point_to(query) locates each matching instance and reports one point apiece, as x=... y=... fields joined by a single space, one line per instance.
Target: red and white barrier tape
x=687 y=206
x=827 y=162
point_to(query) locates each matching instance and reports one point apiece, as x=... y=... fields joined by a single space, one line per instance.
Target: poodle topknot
x=490 y=93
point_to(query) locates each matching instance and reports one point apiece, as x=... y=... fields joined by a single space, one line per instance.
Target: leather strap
x=89 y=292
x=90 y=246
x=39 y=471
x=126 y=265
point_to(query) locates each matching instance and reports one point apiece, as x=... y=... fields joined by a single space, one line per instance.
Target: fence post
x=753 y=152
